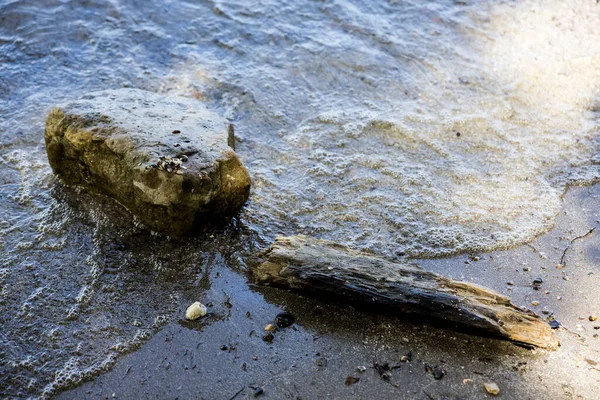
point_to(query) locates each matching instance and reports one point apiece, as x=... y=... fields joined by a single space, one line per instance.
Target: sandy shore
x=313 y=358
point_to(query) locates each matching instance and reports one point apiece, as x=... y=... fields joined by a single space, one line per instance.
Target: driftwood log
x=310 y=264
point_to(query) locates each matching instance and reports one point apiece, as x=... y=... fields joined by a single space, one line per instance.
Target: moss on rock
x=164 y=158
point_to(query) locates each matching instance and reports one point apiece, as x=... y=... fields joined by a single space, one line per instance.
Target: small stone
x=535 y=303
x=270 y=328
x=491 y=388
x=407 y=358
x=592 y=318
x=350 y=380
x=268 y=337
x=284 y=319
x=224 y=348
x=258 y=391
x=559 y=266
x=510 y=283
x=195 y=311
x=361 y=368
x=566 y=278
x=554 y=324
x=438 y=373
x=526 y=269
x=321 y=362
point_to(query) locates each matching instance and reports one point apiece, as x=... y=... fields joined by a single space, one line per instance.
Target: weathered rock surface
x=166 y=159
x=301 y=262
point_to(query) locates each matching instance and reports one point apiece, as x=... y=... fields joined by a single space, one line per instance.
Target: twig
x=238 y=392
x=564 y=254
x=571 y=332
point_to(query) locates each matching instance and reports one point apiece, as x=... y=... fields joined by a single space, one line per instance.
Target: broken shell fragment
x=195 y=311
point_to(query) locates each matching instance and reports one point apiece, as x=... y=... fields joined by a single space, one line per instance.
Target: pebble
x=592 y=318
x=407 y=358
x=554 y=324
x=268 y=337
x=491 y=388
x=195 y=311
x=258 y=391
x=526 y=269
x=321 y=362
x=224 y=348
x=535 y=303
x=350 y=380
x=361 y=368
x=270 y=328
x=438 y=373
x=284 y=319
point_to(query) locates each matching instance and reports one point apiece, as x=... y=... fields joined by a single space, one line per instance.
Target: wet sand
x=313 y=358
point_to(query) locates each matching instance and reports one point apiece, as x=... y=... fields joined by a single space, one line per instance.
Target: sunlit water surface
x=407 y=128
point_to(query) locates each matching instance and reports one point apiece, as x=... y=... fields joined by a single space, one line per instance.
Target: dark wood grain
x=310 y=264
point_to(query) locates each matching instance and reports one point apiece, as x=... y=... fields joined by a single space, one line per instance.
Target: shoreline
x=329 y=340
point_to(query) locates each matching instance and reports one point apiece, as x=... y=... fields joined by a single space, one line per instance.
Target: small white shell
x=195 y=311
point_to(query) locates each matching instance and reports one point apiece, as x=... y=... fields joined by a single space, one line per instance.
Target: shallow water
x=348 y=117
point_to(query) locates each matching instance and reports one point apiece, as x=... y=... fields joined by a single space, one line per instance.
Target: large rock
x=166 y=159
